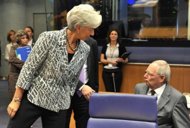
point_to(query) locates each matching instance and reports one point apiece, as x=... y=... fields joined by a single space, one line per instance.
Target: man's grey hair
x=163 y=69
x=83 y=15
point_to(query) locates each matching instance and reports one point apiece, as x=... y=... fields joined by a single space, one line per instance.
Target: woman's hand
x=13 y=108
x=122 y=60
x=15 y=103
x=87 y=91
x=112 y=61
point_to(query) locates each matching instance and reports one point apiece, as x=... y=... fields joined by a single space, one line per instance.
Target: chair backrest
x=113 y=110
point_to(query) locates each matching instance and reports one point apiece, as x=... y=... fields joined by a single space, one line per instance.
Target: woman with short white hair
x=50 y=75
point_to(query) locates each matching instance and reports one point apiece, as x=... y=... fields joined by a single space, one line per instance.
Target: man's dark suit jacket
x=78 y=103
x=172 y=107
x=92 y=65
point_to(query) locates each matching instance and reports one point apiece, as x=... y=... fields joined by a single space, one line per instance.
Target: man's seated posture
x=172 y=105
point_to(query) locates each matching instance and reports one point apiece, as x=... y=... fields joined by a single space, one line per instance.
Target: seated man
x=172 y=105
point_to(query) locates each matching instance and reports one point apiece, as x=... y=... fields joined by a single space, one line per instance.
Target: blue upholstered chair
x=113 y=110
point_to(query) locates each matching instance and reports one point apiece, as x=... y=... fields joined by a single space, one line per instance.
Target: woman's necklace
x=112 y=50
x=73 y=49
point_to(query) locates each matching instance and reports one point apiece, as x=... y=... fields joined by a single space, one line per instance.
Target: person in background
x=30 y=31
x=112 y=60
x=50 y=75
x=87 y=85
x=62 y=17
x=11 y=42
x=15 y=63
x=172 y=105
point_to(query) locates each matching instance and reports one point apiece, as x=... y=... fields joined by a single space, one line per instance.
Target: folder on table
x=23 y=52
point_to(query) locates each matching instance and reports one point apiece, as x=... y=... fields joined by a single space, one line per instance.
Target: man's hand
x=87 y=91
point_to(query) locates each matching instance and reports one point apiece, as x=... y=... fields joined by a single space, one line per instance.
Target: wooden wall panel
x=177 y=78
x=101 y=82
x=186 y=79
x=133 y=74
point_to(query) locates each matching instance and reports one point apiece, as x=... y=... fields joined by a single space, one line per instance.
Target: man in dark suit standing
x=172 y=105
x=85 y=88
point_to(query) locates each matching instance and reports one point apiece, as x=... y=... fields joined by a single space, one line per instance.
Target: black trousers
x=80 y=107
x=112 y=77
x=28 y=113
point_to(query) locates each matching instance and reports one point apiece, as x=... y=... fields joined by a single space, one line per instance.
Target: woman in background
x=30 y=31
x=11 y=42
x=15 y=63
x=112 y=60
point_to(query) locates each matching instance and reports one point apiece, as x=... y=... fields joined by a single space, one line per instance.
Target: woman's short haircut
x=19 y=34
x=83 y=15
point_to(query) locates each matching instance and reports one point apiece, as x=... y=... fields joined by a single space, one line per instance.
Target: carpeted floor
x=3 y=105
